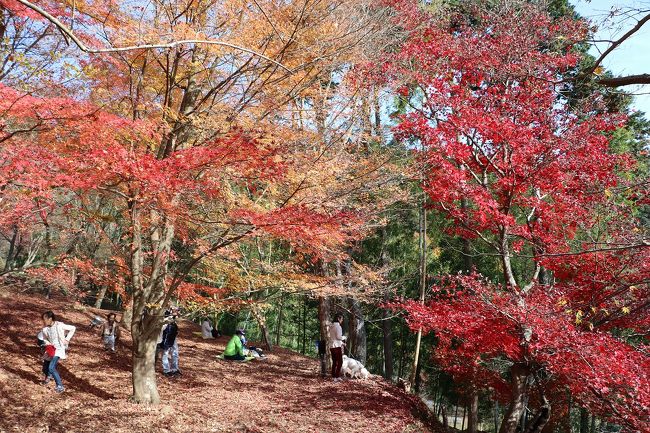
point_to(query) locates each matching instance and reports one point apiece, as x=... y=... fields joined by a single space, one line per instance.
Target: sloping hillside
x=280 y=394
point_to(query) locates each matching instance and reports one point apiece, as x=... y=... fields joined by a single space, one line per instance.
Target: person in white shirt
x=58 y=335
x=337 y=341
x=206 y=329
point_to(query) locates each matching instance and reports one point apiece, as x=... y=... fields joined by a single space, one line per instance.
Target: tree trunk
x=304 y=325
x=144 y=371
x=400 y=372
x=357 y=332
x=468 y=262
x=279 y=324
x=10 y=254
x=592 y=428
x=508 y=273
x=418 y=378
x=266 y=336
x=388 y=345
x=377 y=110
x=541 y=418
x=423 y=282
x=100 y=296
x=386 y=327
x=445 y=421
x=518 y=381
x=472 y=422
x=584 y=421
x=567 y=419
x=549 y=427
x=127 y=313
x=323 y=320
x=462 y=422
x=146 y=321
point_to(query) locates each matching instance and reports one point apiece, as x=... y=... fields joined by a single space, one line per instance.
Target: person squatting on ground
x=337 y=341
x=168 y=343
x=110 y=332
x=56 y=336
x=235 y=349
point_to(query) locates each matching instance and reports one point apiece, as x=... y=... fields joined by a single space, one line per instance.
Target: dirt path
x=281 y=394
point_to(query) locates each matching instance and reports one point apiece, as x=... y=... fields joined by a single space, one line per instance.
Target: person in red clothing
x=337 y=342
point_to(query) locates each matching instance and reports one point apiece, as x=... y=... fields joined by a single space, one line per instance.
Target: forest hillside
x=282 y=393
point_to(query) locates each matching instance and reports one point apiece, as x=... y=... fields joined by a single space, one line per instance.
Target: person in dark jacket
x=169 y=344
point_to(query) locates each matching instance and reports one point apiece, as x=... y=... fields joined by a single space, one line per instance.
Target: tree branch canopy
x=68 y=33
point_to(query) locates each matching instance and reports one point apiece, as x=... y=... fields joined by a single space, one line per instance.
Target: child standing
x=58 y=335
x=110 y=332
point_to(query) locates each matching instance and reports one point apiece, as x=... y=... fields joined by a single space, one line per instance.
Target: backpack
x=169 y=335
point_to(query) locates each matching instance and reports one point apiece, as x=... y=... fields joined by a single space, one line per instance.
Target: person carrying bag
x=56 y=336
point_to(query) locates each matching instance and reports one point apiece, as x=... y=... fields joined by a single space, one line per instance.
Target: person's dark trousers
x=237 y=357
x=322 y=352
x=46 y=368
x=337 y=361
x=323 y=364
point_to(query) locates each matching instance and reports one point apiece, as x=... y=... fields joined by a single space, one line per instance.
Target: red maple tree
x=519 y=169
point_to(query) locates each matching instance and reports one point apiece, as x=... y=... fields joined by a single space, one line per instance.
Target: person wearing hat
x=235 y=349
x=169 y=343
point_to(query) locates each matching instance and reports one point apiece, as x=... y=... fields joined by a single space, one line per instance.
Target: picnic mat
x=248 y=358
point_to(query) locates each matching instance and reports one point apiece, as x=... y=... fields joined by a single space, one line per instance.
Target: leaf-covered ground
x=281 y=394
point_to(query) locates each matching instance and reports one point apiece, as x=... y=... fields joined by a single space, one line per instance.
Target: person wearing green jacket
x=235 y=349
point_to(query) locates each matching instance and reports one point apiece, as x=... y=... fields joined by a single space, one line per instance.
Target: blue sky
x=633 y=56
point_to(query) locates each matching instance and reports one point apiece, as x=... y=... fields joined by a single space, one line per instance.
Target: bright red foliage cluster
x=481 y=329
x=520 y=170
x=58 y=150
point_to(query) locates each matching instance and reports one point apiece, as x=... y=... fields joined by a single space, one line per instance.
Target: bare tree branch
x=627 y=80
x=70 y=34
x=614 y=45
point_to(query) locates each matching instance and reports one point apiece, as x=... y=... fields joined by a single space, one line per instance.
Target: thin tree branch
x=67 y=32
x=614 y=45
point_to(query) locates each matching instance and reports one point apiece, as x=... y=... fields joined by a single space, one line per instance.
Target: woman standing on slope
x=336 y=346
x=54 y=335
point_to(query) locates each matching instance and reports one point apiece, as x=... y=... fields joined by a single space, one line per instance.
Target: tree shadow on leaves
x=75 y=383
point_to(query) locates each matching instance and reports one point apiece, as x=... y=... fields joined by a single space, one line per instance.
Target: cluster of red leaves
x=70 y=274
x=310 y=231
x=492 y=128
x=479 y=327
